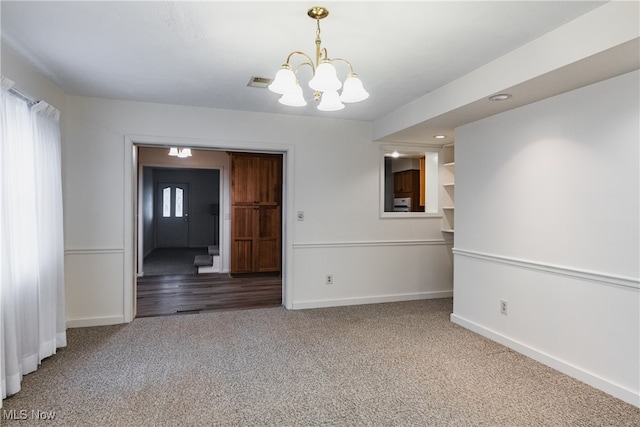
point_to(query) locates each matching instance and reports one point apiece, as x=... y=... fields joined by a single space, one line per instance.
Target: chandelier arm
x=305 y=63
x=326 y=54
x=303 y=54
x=347 y=62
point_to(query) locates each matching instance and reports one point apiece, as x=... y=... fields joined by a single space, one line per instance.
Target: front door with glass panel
x=172 y=215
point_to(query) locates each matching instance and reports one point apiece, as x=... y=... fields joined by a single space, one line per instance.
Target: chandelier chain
x=318 y=44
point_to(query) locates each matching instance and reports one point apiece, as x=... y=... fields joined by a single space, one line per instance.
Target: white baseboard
x=370 y=300
x=95 y=321
x=567 y=368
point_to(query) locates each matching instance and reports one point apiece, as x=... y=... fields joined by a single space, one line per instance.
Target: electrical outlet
x=503 y=307
x=300 y=215
x=329 y=280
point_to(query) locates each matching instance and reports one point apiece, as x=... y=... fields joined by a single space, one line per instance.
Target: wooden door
x=243 y=228
x=255 y=245
x=244 y=176
x=256 y=230
x=267 y=250
x=269 y=180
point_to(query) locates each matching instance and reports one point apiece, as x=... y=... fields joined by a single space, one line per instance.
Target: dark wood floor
x=183 y=294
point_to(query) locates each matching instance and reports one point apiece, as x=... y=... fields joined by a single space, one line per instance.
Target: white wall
x=332 y=174
x=547 y=218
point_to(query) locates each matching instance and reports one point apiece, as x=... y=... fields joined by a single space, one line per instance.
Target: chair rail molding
x=356 y=244
x=93 y=251
x=591 y=276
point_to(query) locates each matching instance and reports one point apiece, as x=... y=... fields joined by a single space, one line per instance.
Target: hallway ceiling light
x=325 y=81
x=180 y=152
x=500 y=97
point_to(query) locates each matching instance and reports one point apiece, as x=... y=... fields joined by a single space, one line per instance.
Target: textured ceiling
x=204 y=53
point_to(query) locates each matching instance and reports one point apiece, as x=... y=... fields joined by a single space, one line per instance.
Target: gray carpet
x=376 y=365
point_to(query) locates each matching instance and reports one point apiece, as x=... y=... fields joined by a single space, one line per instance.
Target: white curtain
x=32 y=314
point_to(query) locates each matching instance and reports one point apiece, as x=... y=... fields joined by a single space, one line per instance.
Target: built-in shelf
x=448 y=179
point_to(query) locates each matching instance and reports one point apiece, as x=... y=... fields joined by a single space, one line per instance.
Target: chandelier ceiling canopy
x=325 y=82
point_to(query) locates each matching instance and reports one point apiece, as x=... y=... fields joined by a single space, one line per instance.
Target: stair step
x=214 y=250
x=203 y=260
x=214 y=268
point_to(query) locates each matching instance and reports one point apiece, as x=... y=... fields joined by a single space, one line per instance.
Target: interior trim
x=98 y=251
x=131 y=143
x=95 y=321
x=377 y=299
x=358 y=244
x=629 y=396
x=592 y=276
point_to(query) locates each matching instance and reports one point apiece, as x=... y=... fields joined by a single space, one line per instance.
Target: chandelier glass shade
x=330 y=101
x=293 y=97
x=180 y=152
x=325 y=82
x=325 y=78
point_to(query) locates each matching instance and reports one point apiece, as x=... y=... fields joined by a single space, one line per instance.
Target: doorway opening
x=183 y=218
x=180 y=220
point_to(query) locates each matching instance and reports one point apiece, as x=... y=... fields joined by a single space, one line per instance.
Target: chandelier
x=325 y=82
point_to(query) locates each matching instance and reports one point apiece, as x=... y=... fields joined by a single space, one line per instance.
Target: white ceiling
x=204 y=53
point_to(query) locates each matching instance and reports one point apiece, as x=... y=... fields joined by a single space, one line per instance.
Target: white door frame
x=131 y=143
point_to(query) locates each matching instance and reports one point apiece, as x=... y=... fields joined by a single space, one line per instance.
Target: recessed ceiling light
x=500 y=97
x=440 y=136
x=395 y=154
